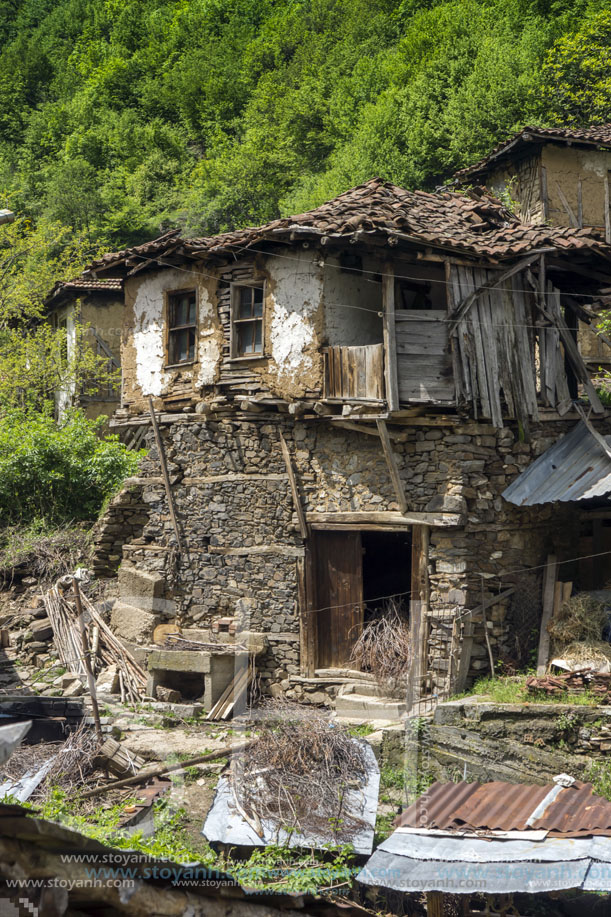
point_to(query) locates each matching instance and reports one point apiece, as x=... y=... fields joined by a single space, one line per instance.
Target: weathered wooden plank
x=393 y=468
x=389 y=517
x=492 y=280
x=418 y=612
x=468 y=280
x=549 y=583
x=390 y=343
x=607 y=209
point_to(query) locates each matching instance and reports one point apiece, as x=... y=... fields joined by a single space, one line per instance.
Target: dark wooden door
x=339 y=591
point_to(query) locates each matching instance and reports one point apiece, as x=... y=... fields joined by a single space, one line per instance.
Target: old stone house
x=335 y=404
x=97 y=305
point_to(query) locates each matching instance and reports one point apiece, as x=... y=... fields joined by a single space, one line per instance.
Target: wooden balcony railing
x=355 y=373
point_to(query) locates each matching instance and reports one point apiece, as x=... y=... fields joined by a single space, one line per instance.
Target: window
x=182 y=327
x=414 y=294
x=247 y=321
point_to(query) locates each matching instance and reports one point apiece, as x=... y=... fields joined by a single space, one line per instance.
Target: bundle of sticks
x=577 y=682
x=104 y=648
x=174 y=642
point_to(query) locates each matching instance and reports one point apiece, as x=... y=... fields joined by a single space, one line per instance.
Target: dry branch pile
x=104 y=647
x=579 y=620
x=383 y=646
x=298 y=773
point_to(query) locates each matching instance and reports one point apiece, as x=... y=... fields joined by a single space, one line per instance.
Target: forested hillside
x=120 y=117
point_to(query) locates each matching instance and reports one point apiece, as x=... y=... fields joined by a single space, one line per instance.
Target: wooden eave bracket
x=393 y=468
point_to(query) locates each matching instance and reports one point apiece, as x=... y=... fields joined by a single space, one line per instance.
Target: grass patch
x=512 y=690
x=359 y=732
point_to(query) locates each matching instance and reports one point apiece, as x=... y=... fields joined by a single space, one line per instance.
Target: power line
x=350 y=306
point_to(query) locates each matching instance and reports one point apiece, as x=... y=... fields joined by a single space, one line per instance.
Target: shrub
x=58 y=472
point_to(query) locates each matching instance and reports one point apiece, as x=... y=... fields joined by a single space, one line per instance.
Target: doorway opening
x=354 y=574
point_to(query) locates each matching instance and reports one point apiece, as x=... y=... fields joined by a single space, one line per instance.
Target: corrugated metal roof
x=574 y=811
x=577 y=467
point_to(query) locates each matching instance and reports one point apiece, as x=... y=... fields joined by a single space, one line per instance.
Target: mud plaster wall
x=243 y=547
x=144 y=341
x=353 y=304
x=565 y=166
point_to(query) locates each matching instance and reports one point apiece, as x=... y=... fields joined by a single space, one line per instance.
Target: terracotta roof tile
x=474 y=223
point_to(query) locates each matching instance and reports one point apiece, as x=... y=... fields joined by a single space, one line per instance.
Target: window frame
x=169 y=328
x=235 y=287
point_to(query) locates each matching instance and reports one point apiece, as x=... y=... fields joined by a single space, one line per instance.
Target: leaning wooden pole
x=144 y=775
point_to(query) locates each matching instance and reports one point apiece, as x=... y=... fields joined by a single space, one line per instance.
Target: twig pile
x=74 y=762
x=174 y=642
x=105 y=649
x=298 y=773
x=383 y=648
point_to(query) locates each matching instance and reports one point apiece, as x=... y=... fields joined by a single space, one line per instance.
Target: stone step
x=365 y=707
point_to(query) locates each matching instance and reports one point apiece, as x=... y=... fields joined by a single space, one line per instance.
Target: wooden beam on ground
x=303 y=526
x=549 y=582
x=390 y=340
x=166 y=476
x=393 y=468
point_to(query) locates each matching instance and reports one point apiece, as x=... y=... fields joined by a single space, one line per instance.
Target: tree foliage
x=121 y=117
x=57 y=473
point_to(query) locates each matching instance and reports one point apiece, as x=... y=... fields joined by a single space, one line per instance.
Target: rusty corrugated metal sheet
x=577 y=467
x=507 y=807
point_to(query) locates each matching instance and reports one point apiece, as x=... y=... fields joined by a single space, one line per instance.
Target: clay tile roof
x=598 y=135
x=574 y=811
x=81 y=285
x=474 y=223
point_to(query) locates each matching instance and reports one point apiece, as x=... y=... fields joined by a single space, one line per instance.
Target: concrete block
x=139 y=588
x=180 y=661
x=133 y=624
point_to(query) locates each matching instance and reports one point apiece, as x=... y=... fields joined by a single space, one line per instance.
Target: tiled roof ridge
x=594 y=133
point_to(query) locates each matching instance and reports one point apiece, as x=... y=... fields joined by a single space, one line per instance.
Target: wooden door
x=339 y=595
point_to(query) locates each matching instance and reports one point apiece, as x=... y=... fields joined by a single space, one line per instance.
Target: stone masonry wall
x=242 y=542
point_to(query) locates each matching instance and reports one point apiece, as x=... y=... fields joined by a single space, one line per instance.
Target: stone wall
x=520 y=743
x=240 y=533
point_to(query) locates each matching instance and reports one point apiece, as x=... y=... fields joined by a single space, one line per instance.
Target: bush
x=58 y=472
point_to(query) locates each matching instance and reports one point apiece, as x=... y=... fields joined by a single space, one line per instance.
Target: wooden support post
x=464 y=661
x=393 y=468
x=166 y=476
x=303 y=526
x=434 y=904
x=549 y=583
x=390 y=338
x=544 y=195
x=418 y=634
x=580 y=204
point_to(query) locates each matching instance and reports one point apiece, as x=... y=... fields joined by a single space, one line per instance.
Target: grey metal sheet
x=225 y=825
x=479 y=850
x=577 y=467
x=598 y=878
x=410 y=875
